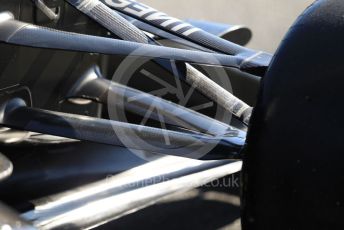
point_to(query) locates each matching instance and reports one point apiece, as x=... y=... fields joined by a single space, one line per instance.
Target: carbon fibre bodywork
x=41 y=168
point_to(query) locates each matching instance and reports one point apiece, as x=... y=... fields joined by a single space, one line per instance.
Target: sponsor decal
x=150 y=14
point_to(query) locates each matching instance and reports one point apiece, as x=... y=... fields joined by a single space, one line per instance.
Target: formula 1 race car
x=109 y=106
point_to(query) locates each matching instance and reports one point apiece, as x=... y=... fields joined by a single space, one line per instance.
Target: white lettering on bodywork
x=140 y=10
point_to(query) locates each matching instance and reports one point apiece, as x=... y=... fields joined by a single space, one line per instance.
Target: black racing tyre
x=293 y=176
